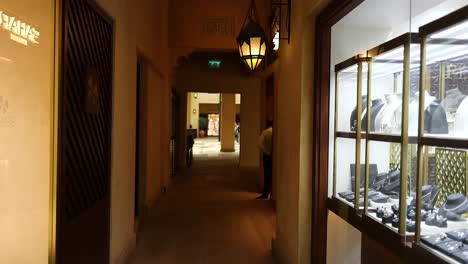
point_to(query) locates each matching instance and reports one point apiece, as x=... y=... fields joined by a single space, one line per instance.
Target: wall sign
x=214 y=64
x=218 y=25
x=20 y=31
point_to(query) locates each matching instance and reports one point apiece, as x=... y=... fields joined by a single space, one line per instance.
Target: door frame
x=137 y=209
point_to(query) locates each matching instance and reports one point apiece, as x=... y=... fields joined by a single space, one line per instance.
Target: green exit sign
x=214 y=64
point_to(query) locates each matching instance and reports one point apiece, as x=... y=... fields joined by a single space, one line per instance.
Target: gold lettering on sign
x=218 y=25
x=20 y=31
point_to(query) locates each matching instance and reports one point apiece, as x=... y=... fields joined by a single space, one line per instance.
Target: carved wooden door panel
x=84 y=134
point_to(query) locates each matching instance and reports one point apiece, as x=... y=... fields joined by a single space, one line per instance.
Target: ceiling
x=386 y=14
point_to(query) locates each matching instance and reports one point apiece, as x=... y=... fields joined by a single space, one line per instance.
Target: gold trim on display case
x=334 y=134
x=357 y=174
x=442 y=81
x=368 y=129
x=404 y=139
x=419 y=179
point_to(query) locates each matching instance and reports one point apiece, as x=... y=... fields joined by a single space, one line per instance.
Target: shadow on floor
x=209 y=215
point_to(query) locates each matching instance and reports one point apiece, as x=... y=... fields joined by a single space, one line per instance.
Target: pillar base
x=228 y=150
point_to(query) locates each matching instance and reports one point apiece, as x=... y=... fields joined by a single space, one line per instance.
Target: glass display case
x=400 y=130
x=350 y=104
x=390 y=179
x=442 y=207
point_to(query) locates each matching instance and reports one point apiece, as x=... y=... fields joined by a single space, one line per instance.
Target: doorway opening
x=84 y=146
x=213 y=126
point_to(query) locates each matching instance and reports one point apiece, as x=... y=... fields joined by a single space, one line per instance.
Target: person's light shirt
x=265 y=141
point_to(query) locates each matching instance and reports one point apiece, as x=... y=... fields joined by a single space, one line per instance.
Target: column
x=228 y=119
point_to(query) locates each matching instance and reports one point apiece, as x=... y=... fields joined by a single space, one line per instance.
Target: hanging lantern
x=252 y=40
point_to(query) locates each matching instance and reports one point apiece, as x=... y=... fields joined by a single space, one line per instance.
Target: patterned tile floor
x=208 y=215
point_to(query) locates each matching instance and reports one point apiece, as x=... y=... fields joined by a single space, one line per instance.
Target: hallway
x=209 y=215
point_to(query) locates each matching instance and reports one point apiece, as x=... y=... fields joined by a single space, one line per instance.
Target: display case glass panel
x=384 y=185
x=351 y=92
x=384 y=181
x=347 y=81
x=346 y=171
x=390 y=180
x=444 y=206
x=446 y=82
x=387 y=87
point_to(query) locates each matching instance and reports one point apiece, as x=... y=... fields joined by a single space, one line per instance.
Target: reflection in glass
x=385 y=182
x=446 y=85
x=345 y=170
x=346 y=92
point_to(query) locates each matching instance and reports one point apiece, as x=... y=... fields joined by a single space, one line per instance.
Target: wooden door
x=84 y=134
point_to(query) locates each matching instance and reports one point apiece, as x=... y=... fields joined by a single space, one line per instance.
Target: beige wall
x=293 y=134
x=213 y=24
x=135 y=25
x=25 y=135
x=193 y=104
x=292 y=164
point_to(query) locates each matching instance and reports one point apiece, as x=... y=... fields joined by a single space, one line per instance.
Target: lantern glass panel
x=245 y=49
x=255 y=46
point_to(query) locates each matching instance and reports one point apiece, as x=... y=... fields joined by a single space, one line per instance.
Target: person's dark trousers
x=189 y=157
x=267 y=174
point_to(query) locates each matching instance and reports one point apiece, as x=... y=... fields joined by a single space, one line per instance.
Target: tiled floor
x=209 y=215
x=210 y=147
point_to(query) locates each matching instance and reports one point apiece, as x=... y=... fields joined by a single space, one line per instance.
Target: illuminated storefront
x=26 y=128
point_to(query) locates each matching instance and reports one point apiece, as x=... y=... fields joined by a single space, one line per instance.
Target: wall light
x=252 y=40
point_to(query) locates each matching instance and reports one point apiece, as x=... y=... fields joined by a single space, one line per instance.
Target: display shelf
x=341 y=134
x=444 y=142
x=384 y=138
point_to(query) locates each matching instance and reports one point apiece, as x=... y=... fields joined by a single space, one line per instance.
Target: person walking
x=265 y=144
